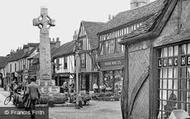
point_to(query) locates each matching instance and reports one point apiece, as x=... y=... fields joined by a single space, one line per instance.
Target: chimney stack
x=75 y=35
x=138 y=3
x=58 y=42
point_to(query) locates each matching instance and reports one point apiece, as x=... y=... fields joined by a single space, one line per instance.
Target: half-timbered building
x=157 y=58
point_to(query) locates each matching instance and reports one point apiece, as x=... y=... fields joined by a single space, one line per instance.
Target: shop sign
x=112 y=63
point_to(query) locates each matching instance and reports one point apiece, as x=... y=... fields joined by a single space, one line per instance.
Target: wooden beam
x=125 y=87
x=137 y=89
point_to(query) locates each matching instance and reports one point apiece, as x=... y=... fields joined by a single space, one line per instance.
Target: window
x=135 y=26
x=138 y=25
x=130 y=29
x=174 y=79
x=125 y=31
x=10 y=67
x=102 y=48
x=118 y=46
x=83 y=60
x=65 y=62
x=15 y=67
x=111 y=46
x=122 y=48
x=106 y=47
x=57 y=63
x=122 y=32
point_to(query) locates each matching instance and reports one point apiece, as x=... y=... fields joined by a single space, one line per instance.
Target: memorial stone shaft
x=44 y=22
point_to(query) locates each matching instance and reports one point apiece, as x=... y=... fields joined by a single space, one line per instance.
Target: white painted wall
x=70 y=65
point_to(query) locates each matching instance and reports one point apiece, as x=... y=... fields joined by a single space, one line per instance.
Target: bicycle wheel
x=7 y=100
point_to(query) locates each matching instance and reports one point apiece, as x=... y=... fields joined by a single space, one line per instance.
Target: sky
x=16 y=27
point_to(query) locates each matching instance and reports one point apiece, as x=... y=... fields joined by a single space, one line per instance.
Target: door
x=87 y=77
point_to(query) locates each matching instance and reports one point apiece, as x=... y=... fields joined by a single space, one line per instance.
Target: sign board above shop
x=112 y=63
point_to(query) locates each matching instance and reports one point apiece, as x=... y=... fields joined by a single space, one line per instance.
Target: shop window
x=174 y=79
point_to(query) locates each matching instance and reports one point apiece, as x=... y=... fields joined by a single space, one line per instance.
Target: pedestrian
x=33 y=96
x=95 y=88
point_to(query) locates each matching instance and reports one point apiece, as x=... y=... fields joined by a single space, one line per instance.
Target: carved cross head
x=44 y=22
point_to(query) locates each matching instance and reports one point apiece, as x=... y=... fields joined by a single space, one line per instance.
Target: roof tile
x=135 y=14
x=65 y=49
x=92 y=28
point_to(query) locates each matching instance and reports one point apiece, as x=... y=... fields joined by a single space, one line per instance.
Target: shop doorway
x=87 y=77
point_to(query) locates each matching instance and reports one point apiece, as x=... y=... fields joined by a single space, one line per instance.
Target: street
x=95 y=110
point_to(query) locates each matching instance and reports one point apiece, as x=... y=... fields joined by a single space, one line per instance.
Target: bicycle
x=9 y=98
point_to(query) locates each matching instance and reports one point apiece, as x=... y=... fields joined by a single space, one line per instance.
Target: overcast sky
x=16 y=26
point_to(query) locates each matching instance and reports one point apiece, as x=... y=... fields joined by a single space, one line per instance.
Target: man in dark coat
x=33 y=96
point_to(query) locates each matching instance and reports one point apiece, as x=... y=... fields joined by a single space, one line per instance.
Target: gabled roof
x=28 y=53
x=3 y=62
x=129 y=16
x=92 y=29
x=15 y=55
x=154 y=26
x=65 y=49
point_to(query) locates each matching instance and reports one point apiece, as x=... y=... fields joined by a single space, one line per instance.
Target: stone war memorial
x=44 y=23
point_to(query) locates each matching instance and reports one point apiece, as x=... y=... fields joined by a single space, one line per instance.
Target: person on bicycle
x=33 y=96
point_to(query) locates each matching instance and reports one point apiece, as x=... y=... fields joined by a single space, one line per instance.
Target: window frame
x=153 y=84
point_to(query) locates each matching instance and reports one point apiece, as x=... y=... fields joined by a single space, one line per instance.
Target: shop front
x=65 y=80
x=112 y=76
x=87 y=80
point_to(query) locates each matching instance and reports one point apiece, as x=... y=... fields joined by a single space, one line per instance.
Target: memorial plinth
x=44 y=22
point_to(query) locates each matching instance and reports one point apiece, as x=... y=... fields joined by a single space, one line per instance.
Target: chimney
x=138 y=3
x=75 y=35
x=17 y=49
x=109 y=17
x=58 y=42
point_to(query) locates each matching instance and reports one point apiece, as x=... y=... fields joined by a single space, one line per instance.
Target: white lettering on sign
x=112 y=63
x=21 y=112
